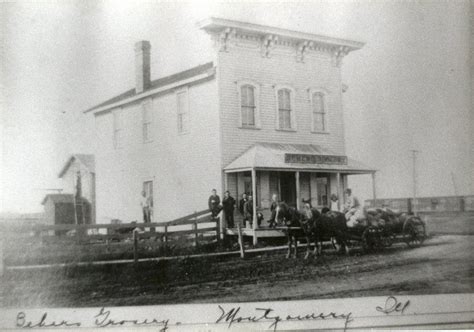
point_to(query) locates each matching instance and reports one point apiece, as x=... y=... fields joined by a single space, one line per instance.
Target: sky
x=409 y=86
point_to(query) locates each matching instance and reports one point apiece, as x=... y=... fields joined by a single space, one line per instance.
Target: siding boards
x=246 y=64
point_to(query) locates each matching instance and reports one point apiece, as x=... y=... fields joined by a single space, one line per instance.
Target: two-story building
x=264 y=115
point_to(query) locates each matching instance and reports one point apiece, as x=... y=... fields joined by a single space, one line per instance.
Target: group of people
x=351 y=208
x=228 y=205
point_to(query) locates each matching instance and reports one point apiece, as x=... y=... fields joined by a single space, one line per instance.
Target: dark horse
x=312 y=225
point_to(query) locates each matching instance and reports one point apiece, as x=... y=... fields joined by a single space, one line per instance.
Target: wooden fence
x=192 y=230
x=426 y=204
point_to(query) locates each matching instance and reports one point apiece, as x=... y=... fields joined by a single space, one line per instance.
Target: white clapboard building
x=264 y=115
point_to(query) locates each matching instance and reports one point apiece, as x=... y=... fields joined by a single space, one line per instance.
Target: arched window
x=285 y=109
x=248 y=105
x=319 y=112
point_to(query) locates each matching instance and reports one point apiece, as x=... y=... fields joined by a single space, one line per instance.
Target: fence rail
x=427 y=204
x=195 y=230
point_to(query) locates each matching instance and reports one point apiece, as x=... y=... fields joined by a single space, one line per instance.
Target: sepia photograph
x=248 y=164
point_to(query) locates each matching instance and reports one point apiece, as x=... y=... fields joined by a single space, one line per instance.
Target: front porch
x=293 y=173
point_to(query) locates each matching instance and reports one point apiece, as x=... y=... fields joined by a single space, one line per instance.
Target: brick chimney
x=142 y=66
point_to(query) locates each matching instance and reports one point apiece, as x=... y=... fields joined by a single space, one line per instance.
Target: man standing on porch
x=229 y=204
x=242 y=204
x=248 y=210
x=273 y=207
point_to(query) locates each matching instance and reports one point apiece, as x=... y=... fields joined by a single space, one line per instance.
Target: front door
x=288 y=188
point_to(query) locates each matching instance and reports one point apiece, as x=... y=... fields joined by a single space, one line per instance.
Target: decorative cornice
x=268 y=38
x=338 y=53
x=302 y=49
x=224 y=39
x=268 y=44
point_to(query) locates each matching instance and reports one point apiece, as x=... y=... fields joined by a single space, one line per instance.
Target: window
x=147 y=120
x=285 y=109
x=322 y=189
x=249 y=93
x=247 y=105
x=182 y=101
x=319 y=112
x=118 y=130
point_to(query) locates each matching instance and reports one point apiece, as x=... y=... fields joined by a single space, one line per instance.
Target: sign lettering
x=291 y=158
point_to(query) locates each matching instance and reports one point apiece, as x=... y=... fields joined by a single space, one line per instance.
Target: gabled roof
x=273 y=155
x=85 y=159
x=161 y=82
x=59 y=198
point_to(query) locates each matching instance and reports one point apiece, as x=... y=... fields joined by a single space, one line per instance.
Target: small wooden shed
x=59 y=209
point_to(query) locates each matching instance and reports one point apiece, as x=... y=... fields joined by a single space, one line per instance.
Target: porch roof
x=304 y=157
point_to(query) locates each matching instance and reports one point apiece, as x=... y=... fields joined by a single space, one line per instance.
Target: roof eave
x=214 y=24
x=151 y=92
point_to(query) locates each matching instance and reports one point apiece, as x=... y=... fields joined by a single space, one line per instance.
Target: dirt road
x=442 y=265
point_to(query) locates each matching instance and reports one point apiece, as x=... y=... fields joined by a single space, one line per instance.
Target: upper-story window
x=147 y=121
x=118 y=128
x=183 y=111
x=286 y=113
x=319 y=111
x=249 y=104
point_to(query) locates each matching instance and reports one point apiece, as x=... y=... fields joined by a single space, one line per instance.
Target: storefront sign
x=295 y=158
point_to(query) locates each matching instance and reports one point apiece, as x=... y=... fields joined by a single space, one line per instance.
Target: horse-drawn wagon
x=382 y=227
x=378 y=229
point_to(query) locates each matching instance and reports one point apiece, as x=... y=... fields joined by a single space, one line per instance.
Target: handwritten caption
x=230 y=316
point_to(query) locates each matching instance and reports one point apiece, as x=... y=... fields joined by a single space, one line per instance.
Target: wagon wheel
x=367 y=241
x=386 y=240
x=414 y=231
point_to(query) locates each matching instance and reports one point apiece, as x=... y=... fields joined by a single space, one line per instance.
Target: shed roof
x=59 y=198
x=87 y=160
x=161 y=82
x=274 y=155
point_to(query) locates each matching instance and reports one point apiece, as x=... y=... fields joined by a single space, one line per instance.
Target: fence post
x=195 y=227
x=218 y=228
x=241 y=241
x=165 y=239
x=135 y=246
x=462 y=204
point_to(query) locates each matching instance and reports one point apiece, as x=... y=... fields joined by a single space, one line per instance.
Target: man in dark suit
x=214 y=203
x=248 y=210
x=228 y=204
x=242 y=203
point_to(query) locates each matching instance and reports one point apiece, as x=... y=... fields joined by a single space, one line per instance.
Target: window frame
x=185 y=128
x=293 y=125
x=325 y=94
x=256 y=114
x=147 y=105
x=117 y=128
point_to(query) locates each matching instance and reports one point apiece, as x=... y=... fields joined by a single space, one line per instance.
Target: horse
x=298 y=225
x=330 y=225
x=313 y=226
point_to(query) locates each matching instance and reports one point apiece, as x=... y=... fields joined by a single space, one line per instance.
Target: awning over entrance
x=302 y=157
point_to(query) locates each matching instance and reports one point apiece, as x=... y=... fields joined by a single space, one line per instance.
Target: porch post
x=374 y=194
x=338 y=190
x=297 y=180
x=254 y=205
x=223 y=221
